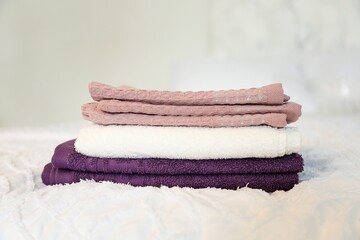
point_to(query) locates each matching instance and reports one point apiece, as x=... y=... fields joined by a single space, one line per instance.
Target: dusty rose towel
x=292 y=110
x=269 y=95
x=92 y=113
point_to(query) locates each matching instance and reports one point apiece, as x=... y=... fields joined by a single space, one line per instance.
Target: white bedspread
x=325 y=205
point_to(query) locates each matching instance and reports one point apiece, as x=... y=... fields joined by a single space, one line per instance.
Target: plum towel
x=66 y=157
x=267 y=182
x=186 y=142
x=271 y=95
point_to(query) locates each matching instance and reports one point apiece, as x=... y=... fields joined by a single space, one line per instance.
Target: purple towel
x=66 y=157
x=267 y=182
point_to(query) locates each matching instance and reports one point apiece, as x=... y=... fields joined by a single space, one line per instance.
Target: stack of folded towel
x=224 y=139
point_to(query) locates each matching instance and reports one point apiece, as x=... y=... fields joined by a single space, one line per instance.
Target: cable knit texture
x=267 y=182
x=271 y=94
x=186 y=142
x=66 y=157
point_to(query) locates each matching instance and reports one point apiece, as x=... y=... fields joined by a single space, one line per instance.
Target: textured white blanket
x=186 y=142
x=324 y=205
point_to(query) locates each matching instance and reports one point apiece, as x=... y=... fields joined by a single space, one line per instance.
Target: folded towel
x=292 y=110
x=186 y=142
x=267 y=182
x=66 y=157
x=92 y=113
x=272 y=94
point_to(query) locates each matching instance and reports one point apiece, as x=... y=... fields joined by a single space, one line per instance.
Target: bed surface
x=325 y=205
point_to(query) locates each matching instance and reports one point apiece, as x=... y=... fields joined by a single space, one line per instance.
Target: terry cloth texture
x=66 y=157
x=270 y=95
x=267 y=182
x=291 y=109
x=186 y=142
x=92 y=113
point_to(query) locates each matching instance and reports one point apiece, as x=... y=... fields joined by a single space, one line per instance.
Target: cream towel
x=186 y=142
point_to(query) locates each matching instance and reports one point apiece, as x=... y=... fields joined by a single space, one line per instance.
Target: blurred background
x=50 y=50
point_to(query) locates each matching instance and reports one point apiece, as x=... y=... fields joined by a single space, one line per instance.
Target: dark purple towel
x=267 y=182
x=66 y=157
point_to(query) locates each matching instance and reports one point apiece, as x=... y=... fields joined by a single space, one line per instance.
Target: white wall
x=51 y=49
x=261 y=28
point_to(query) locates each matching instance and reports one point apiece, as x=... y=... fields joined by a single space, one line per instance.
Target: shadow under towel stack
x=224 y=139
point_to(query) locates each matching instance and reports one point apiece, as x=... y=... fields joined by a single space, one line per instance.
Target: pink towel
x=92 y=113
x=292 y=110
x=268 y=95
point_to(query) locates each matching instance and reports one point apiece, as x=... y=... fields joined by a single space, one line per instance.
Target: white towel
x=186 y=142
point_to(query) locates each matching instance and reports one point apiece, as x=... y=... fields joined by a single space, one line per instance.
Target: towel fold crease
x=291 y=109
x=92 y=113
